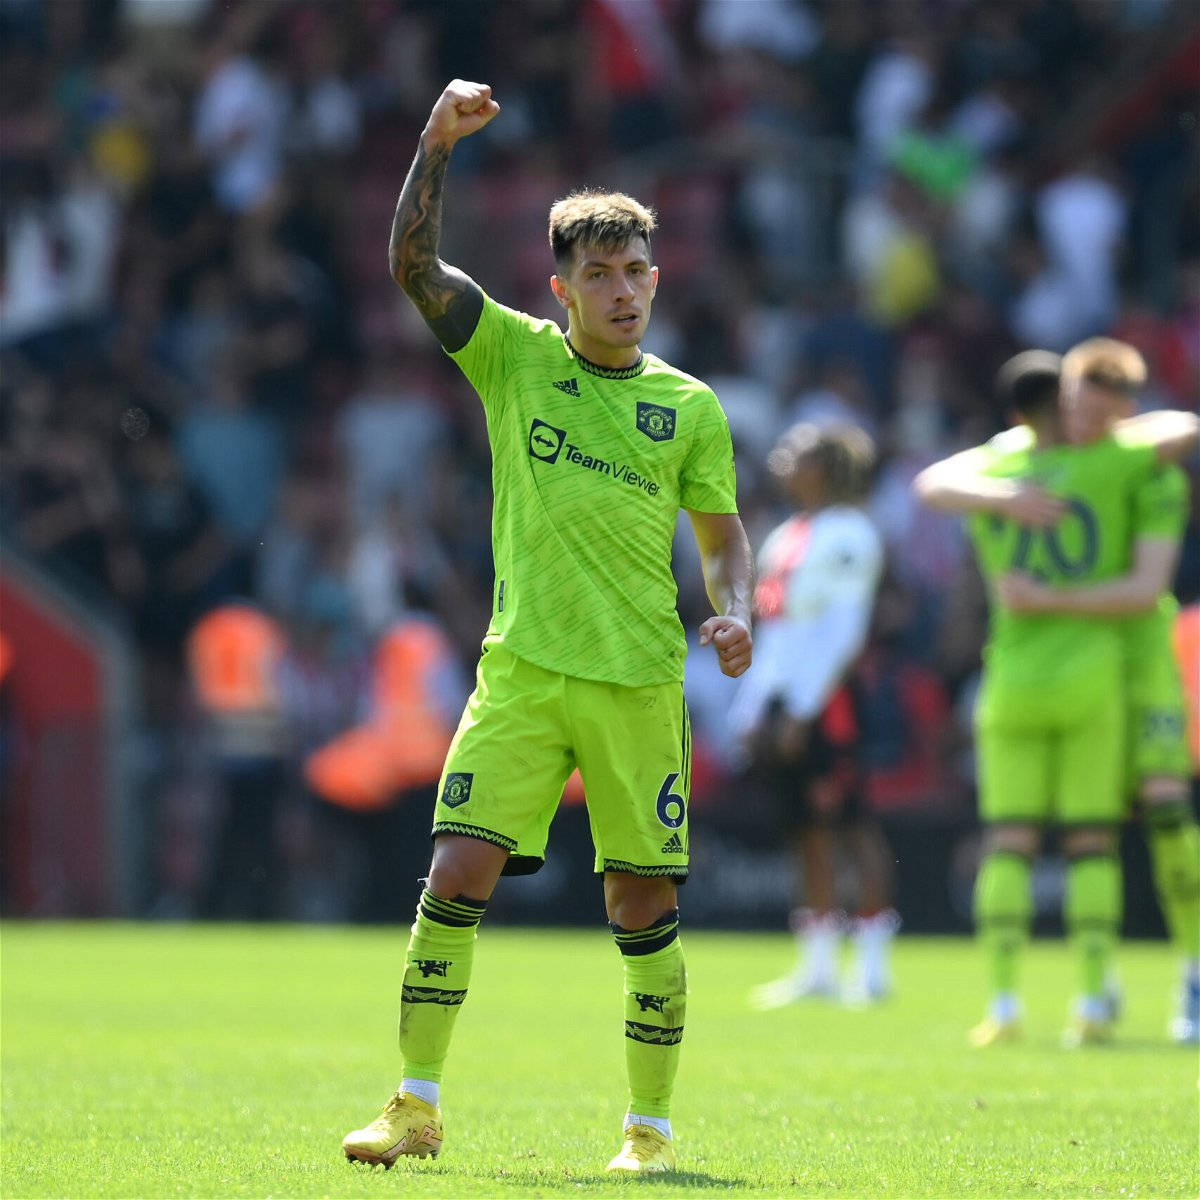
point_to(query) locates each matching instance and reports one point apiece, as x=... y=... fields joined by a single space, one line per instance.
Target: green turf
x=223 y=1061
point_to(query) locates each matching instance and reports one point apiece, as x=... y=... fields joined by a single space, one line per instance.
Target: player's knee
x=636 y=903
x=1089 y=841
x=1014 y=838
x=464 y=866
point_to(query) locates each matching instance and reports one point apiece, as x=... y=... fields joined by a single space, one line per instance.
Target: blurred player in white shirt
x=795 y=713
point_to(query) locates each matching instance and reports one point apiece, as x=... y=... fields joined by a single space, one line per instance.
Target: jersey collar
x=592 y=368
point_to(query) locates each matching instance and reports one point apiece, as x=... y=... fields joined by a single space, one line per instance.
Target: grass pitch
x=156 y=1061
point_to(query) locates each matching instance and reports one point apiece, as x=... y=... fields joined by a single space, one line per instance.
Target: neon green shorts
x=523 y=732
x=1157 y=721
x=1045 y=772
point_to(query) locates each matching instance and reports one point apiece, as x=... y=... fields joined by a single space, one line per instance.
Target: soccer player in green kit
x=1051 y=720
x=595 y=446
x=1100 y=380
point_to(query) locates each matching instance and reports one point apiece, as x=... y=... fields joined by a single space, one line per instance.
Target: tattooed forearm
x=416 y=231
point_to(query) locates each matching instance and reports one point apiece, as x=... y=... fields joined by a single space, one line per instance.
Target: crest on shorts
x=656 y=422
x=457 y=788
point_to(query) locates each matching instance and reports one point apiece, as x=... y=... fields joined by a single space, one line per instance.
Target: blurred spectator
x=633 y=85
x=234 y=657
x=897 y=85
x=380 y=776
x=185 y=563
x=839 y=398
x=241 y=115
x=234 y=454
x=1081 y=218
x=389 y=432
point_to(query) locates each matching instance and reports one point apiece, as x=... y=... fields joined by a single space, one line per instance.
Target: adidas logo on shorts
x=673 y=845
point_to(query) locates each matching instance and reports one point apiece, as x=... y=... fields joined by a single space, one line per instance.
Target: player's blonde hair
x=845 y=453
x=605 y=220
x=1106 y=363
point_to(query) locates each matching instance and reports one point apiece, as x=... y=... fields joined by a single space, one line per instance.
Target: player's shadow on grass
x=665 y=1179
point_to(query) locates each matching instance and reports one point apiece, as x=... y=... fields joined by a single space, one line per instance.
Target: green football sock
x=1093 y=916
x=655 y=1002
x=436 y=973
x=1003 y=915
x=1175 y=852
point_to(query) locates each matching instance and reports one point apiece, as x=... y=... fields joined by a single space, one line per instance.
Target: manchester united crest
x=656 y=422
x=457 y=788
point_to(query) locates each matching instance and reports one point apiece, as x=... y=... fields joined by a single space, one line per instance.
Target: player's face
x=607 y=295
x=807 y=482
x=1089 y=411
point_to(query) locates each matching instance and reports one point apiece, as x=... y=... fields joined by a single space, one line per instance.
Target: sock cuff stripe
x=654 y=1035
x=648 y=941
x=421 y=995
x=452 y=922
x=452 y=909
x=431 y=906
x=463 y=903
x=670 y=918
x=652 y=946
x=639 y=935
x=450 y=912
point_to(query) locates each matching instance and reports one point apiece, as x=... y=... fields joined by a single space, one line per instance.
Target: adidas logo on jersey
x=673 y=845
x=570 y=386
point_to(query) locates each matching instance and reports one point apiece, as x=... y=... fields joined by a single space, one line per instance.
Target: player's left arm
x=958 y=485
x=1172 y=433
x=1138 y=590
x=729 y=580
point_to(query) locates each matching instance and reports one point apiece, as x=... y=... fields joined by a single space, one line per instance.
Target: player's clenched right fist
x=462 y=109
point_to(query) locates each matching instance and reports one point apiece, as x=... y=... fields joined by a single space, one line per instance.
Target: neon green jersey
x=1052 y=663
x=590 y=467
x=1160 y=510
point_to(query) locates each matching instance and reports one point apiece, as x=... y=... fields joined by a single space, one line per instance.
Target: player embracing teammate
x=595 y=448
x=1076 y=523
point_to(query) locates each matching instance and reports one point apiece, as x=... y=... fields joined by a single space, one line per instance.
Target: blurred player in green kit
x=1100 y=380
x=1051 y=720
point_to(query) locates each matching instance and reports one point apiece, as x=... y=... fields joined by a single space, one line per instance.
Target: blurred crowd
x=214 y=397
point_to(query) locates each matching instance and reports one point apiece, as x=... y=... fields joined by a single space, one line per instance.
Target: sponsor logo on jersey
x=547 y=443
x=656 y=422
x=673 y=845
x=570 y=386
x=457 y=788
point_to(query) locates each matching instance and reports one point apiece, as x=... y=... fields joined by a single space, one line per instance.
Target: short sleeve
x=1161 y=504
x=709 y=483
x=486 y=359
